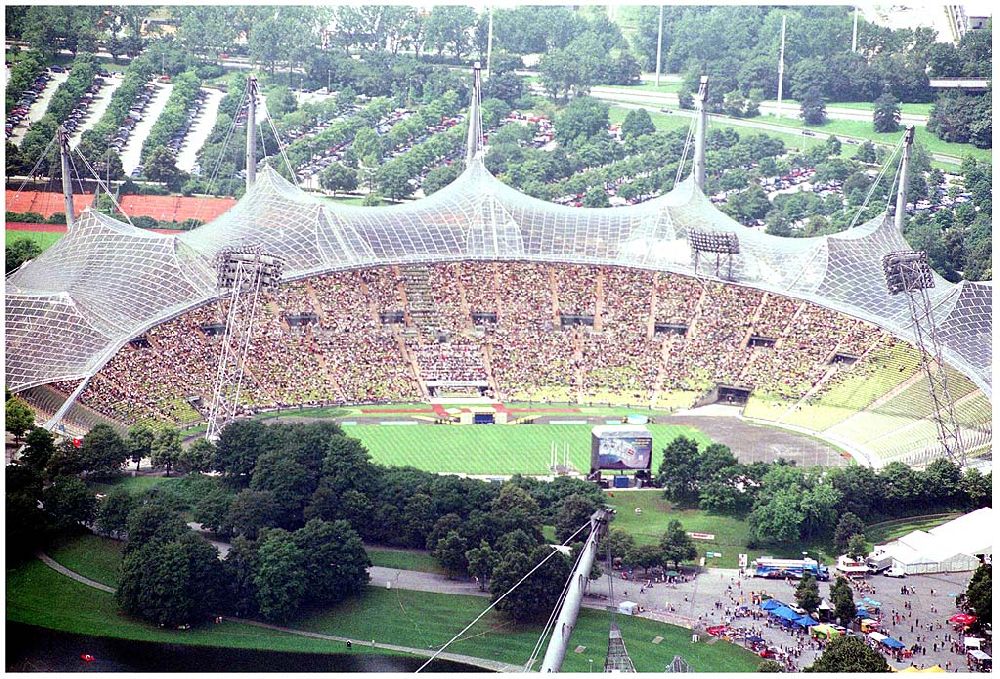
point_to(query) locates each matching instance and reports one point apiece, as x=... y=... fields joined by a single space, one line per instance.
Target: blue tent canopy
x=863 y=612
x=868 y=601
x=771 y=604
x=785 y=613
x=805 y=621
x=893 y=643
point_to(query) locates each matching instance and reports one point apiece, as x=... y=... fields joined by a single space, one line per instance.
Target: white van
x=895 y=573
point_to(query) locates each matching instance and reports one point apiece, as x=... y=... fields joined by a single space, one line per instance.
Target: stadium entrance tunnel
x=727 y=394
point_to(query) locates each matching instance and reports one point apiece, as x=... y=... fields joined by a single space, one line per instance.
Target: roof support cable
x=281 y=147
x=104 y=186
x=871 y=189
x=38 y=163
x=501 y=598
x=552 y=617
x=229 y=134
x=684 y=153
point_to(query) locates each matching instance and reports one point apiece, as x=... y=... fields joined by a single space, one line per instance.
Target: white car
x=895 y=573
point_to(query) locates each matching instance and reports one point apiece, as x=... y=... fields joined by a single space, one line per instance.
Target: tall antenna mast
x=699 y=134
x=67 y=184
x=904 y=178
x=854 y=37
x=489 y=43
x=781 y=64
x=659 y=46
x=251 y=131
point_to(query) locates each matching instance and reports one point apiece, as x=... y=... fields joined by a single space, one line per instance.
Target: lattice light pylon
x=909 y=272
x=246 y=273
x=618 y=659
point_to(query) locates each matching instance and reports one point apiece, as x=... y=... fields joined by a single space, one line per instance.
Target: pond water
x=36 y=649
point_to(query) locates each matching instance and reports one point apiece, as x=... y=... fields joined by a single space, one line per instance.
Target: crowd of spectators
x=348 y=337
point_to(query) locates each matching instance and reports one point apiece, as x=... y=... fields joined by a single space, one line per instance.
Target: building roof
x=968 y=535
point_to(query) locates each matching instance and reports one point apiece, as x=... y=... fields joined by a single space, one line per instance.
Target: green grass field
x=91 y=556
x=912 y=109
x=880 y=533
x=404 y=560
x=425 y=620
x=863 y=129
x=134 y=484
x=44 y=240
x=502 y=450
x=39 y=596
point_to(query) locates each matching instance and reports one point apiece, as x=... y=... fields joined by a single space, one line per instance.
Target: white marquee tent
x=949 y=548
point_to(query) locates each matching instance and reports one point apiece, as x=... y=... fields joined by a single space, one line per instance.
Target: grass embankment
x=44 y=239
x=39 y=596
x=91 y=556
x=879 y=533
x=519 y=449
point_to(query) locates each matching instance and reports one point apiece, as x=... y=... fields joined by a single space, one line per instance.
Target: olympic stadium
x=482 y=290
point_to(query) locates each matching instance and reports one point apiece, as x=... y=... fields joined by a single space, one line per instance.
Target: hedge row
x=175 y=113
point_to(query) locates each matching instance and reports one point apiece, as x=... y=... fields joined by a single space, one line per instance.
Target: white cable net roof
x=71 y=309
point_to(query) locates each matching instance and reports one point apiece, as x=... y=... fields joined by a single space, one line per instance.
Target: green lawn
x=305 y=412
x=403 y=560
x=134 y=484
x=863 y=129
x=730 y=533
x=913 y=109
x=665 y=87
x=426 y=620
x=91 y=556
x=880 y=533
x=500 y=449
x=37 y=595
x=43 y=239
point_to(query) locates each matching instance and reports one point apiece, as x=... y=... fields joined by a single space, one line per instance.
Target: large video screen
x=629 y=448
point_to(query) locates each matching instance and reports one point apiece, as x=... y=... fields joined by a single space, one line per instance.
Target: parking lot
x=131 y=154
x=714 y=597
x=34 y=103
x=95 y=106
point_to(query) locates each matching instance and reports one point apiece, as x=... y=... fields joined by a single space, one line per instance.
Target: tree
x=212 y=510
x=678 y=473
x=139 y=443
x=807 y=593
x=813 y=108
x=239 y=445
x=857 y=548
x=583 y=119
x=393 y=180
x=251 y=511
x=289 y=483
x=450 y=27
x=535 y=598
x=979 y=595
x=199 y=456
x=849 y=654
x=173 y=582
x=20 y=251
x=68 y=502
x=281 y=578
x=770 y=666
x=574 y=511
x=153 y=522
x=676 y=545
x=596 y=197
x=842 y=598
x=338 y=177
x=450 y=553
x=637 y=123
x=113 y=512
x=103 y=451
x=160 y=166
x=777 y=519
x=886 y=116
x=19 y=417
x=166 y=450
x=39 y=446
x=481 y=562
x=850 y=524
x=865 y=153
x=336 y=564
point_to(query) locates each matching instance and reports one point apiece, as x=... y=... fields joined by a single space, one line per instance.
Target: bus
x=769 y=567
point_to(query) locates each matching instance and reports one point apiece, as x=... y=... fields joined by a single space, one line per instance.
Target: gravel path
x=51 y=563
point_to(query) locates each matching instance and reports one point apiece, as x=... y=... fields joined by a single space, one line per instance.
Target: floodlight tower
x=909 y=272
x=474 y=142
x=251 y=131
x=245 y=273
x=723 y=244
x=62 y=137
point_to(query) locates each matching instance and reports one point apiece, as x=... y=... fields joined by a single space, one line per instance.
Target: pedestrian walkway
x=51 y=563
